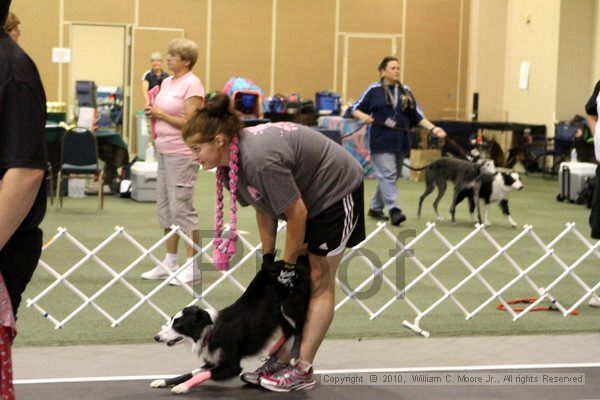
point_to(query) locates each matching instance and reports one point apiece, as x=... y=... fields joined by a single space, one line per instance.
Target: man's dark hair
x=4 y=6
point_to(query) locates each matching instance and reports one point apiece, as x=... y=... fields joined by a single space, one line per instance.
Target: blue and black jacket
x=406 y=114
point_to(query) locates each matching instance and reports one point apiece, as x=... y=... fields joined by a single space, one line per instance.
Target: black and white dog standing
x=494 y=188
x=464 y=174
x=276 y=300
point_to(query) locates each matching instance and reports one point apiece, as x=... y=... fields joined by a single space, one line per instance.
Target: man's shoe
x=271 y=366
x=287 y=379
x=396 y=216
x=379 y=215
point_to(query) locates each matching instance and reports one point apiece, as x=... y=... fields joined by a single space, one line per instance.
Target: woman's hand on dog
x=285 y=273
x=268 y=259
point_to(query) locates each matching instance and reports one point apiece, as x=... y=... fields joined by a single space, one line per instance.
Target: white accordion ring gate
x=426 y=272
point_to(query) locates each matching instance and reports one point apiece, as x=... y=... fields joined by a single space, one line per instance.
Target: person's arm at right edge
x=591 y=109
x=591 y=121
x=18 y=190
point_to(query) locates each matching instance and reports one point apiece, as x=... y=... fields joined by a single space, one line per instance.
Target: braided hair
x=224 y=247
x=218 y=118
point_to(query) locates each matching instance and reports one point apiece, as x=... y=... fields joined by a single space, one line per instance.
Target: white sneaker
x=594 y=303
x=158 y=272
x=188 y=275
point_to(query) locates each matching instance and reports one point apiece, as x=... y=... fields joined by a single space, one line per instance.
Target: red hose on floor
x=529 y=300
x=7 y=335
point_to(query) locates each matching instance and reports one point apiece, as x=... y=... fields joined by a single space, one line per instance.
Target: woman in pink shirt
x=179 y=97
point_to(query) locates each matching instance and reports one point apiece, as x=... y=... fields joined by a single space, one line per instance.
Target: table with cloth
x=355 y=139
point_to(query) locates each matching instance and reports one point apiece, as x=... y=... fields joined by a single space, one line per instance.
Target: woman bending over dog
x=289 y=172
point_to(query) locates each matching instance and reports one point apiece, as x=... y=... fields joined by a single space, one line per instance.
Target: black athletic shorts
x=18 y=260
x=339 y=226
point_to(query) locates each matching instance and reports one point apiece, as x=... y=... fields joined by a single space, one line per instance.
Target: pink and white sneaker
x=271 y=366
x=288 y=378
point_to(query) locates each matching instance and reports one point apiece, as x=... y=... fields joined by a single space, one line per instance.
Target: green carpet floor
x=536 y=205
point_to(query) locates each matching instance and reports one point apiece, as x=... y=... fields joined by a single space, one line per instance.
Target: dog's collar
x=202 y=344
x=205 y=341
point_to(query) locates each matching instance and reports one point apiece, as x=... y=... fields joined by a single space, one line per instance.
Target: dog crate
x=571 y=179
x=143 y=181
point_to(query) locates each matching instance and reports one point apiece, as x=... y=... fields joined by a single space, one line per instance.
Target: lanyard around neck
x=395 y=97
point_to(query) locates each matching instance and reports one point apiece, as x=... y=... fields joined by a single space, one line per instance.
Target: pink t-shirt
x=171 y=99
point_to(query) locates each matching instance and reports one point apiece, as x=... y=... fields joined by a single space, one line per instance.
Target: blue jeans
x=388 y=168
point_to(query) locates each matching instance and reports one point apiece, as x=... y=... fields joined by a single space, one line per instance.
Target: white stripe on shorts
x=348 y=202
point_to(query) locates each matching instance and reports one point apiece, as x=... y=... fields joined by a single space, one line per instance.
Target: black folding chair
x=79 y=159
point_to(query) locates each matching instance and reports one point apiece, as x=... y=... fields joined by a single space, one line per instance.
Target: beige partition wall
x=535 y=42
x=487 y=54
x=362 y=56
x=103 y=11
x=596 y=45
x=63 y=69
x=98 y=54
x=282 y=45
x=557 y=40
x=367 y=32
x=436 y=57
x=40 y=32
x=575 y=57
x=304 y=46
x=241 y=41
x=374 y=16
x=430 y=37
x=191 y=16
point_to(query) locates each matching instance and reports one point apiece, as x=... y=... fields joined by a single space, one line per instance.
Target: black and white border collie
x=494 y=188
x=222 y=338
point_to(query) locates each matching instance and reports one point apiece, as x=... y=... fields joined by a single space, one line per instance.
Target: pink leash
x=7 y=335
x=151 y=96
x=224 y=247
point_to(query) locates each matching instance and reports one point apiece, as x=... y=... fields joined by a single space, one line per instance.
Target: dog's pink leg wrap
x=197 y=379
x=275 y=348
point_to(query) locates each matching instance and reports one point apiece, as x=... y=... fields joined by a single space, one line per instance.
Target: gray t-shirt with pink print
x=280 y=162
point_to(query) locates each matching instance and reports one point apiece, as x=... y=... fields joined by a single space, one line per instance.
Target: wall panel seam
x=336 y=39
x=459 y=66
x=273 y=44
x=208 y=44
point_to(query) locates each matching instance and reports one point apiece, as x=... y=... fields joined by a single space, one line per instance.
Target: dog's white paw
x=159 y=383
x=180 y=389
x=487 y=223
x=439 y=218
